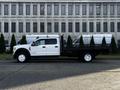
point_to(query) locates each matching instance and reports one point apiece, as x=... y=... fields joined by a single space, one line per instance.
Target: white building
x=68 y=17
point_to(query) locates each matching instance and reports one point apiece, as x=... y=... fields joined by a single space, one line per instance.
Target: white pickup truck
x=50 y=45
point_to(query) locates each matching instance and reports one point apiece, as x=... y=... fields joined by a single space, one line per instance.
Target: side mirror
x=33 y=44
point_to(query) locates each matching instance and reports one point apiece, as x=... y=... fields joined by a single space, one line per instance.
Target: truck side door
x=52 y=47
x=38 y=48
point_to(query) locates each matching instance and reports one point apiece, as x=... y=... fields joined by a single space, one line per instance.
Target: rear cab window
x=50 y=41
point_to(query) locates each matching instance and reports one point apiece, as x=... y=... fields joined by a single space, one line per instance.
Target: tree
x=13 y=43
x=69 y=42
x=62 y=42
x=2 y=44
x=113 y=45
x=92 y=43
x=81 y=42
x=23 y=40
x=103 y=42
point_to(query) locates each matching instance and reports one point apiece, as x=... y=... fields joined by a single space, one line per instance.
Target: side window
x=39 y=42
x=45 y=42
x=50 y=41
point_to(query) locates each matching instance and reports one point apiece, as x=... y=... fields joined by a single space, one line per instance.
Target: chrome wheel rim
x=21 y=58
x=87 y=57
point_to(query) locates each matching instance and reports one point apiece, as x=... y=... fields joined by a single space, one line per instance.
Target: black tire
x=87 y=57
x=22 y=57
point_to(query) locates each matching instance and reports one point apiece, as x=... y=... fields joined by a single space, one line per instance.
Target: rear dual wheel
x=87 y=57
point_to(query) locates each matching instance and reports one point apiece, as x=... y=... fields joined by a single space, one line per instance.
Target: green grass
x=6 y=56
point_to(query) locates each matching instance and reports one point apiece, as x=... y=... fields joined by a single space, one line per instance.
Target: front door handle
x=43 y=47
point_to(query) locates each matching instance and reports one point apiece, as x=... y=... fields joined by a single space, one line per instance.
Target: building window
x=77 y=9
x=84 y=27
x=84 y=9
x=91 y=9
x=35 y=27
x=118 y=9
x=105 y=9
x=35 y=10
x=13 y=27
x=42 y=9
x=70 y=9
x=6 y=9
x=105 y=26
x=112 y=11
x=112 y=26
x=20 y=9
x=70 y=27
x=6 y=27
x=56 y=27
x=98 y=26
x=49 y=27
x=63 y=27
x=91 y=26
x=56 y=9
x=63 y=10
x=98 y=9
x=42 y=27
x=27 y=26
x=13 y=9
x=27 y=9
x=0 y=9
x=20 y=27
x=118 y=26
x=77 y=27
x=49 y=9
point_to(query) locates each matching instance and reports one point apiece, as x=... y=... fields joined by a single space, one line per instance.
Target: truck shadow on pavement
x=14 y=74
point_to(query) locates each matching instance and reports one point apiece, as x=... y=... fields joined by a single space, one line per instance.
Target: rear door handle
x=56 y=46
x=43 y=47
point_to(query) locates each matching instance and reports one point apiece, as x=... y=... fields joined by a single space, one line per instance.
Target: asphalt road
x=60 y=75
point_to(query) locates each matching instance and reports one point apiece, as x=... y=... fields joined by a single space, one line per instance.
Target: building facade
x=68 y=17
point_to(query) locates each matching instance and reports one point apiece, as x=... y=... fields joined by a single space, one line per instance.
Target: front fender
x=21 y=50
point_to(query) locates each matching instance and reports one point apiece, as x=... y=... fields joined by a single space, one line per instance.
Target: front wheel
x=22 y=57
x=87 y=57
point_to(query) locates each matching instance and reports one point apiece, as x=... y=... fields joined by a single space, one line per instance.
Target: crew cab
x=50 y=45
